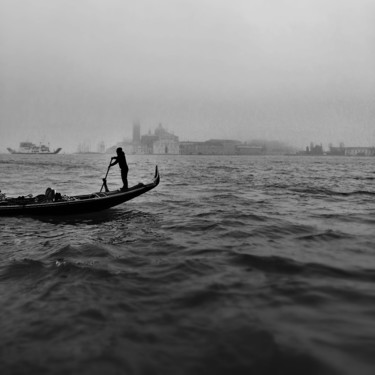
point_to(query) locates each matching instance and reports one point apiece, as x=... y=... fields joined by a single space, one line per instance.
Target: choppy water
x=232 y=265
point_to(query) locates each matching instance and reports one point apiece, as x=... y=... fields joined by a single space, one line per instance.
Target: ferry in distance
x=31 y=148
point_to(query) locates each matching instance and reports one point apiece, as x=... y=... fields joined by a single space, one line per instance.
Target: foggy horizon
x=289 y=71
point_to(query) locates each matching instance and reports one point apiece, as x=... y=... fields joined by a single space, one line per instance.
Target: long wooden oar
x=105 y=179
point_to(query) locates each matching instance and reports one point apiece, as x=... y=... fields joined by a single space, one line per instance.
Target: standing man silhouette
x=120 y=159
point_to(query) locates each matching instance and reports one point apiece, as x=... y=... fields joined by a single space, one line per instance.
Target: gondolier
x=120 y=159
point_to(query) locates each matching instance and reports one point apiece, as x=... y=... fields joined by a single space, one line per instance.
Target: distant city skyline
x=94 y=146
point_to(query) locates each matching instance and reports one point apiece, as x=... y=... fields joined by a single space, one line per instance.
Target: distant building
x=160 y=142
x=359 y=151
x=201 y=148
x=166 y=146
x=162 y=133
x=225 y=146
x=250 y=150
x=316 y=150
x=147 y=141
x=351 y=151
x=312 y=150
x=219 y=147
x=336 y=151
x=212 y=147
x=190 y=148
x=163 y=142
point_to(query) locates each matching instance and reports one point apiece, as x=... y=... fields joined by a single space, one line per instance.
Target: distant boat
x=31 y=148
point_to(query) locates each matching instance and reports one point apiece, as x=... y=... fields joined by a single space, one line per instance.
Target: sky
x=296 y=71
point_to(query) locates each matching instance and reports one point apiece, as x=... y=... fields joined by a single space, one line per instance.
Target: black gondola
x=75 y=204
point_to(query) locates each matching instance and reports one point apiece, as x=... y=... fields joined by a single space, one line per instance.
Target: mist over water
x=297 y=71
x=236 y=265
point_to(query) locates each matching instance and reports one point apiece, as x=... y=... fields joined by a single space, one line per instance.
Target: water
x=232 y=265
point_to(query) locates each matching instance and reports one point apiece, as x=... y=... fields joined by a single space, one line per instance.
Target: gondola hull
x=77 y=204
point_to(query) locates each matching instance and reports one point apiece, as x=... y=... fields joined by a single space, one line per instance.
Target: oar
x=105 y=179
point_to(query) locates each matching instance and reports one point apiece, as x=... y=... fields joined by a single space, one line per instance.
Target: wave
x=364 y=178
x=338 y=193
x=323 y=191
x=287 y=266
x=18 y=269
x=328 y=235
x=88 y=251
x=85 y=260
x=90 y=218
x=35 y=270
x=62 y=164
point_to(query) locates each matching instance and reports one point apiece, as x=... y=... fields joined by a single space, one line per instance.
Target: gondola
x=77 y=204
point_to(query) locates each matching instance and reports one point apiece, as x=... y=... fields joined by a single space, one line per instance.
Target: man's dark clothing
x=120 y=159
x=124 y=177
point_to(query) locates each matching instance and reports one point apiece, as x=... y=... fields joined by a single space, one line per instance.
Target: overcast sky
x=289 y=70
